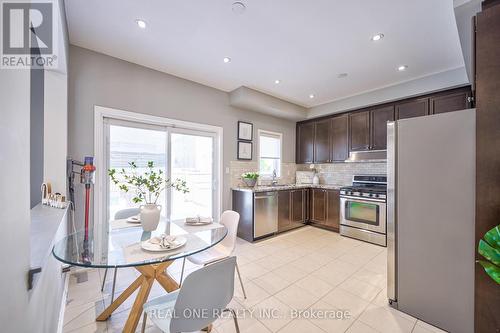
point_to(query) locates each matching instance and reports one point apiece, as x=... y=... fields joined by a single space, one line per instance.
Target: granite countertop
x=268 y=188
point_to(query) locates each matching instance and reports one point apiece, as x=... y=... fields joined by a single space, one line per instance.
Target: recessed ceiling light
x=311 y=96
x=238 y=7
x=141 y=23
x=227 y=60
x=342 y=75
x=277 y=81
x=377 y=37
x=402 y=68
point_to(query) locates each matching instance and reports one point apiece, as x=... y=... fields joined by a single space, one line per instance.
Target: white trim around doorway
x=100 y=114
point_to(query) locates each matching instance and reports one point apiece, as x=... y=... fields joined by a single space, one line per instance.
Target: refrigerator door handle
x=391 y=212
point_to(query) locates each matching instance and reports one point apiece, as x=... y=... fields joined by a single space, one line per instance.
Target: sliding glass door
x=192 y=159
x=180 y=153
x=131 y=142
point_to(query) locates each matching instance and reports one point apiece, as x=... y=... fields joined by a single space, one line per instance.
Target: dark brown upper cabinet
x=359 y=129
x=458 y=100
x=340 y=138
x=304 y=143
x=330 y=139
x=322 y=132
x=379 y=118
x=413 y=108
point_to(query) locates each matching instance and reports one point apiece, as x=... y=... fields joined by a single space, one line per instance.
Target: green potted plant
x=250 y=178
x=147 y=187
x=489 y=248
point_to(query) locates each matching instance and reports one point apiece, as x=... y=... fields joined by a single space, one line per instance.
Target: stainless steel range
x=363 y=212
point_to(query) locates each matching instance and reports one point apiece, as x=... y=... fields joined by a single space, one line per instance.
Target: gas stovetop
x=366 y=186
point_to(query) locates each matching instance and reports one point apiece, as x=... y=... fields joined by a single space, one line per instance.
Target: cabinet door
x=359 y=131
x=284 y=221
x=305 y=143
x=450 y=102
x=322 y=141
x=333 y=209
x=318 y=210
x=297 y=212
x=380 y=117
x=415 y=108
x=340 y=138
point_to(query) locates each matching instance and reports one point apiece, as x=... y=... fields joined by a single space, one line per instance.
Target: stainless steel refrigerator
x=430 y=218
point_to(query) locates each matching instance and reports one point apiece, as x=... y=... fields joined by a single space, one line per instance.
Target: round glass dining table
x=121 y=247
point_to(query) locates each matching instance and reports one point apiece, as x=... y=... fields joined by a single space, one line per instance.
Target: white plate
x=179 y=240
x=198 y=223
x=205 y=222
x=134 y=219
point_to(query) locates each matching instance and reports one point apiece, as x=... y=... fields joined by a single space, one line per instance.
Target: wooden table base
x=149 y=274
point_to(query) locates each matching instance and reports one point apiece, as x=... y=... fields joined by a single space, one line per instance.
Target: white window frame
x=100 y=161
x=274 y=134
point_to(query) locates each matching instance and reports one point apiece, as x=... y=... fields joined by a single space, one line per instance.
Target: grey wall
x=445 y=80
x=36 y=129
x=15 y=198
x=97 y=79
x=463 y=16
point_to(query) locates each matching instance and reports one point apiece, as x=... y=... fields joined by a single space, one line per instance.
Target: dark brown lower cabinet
x=284 y=222
x=298 y=206
x=325 y=205
x=292 y=208
x=318 y=206
x=333 y=209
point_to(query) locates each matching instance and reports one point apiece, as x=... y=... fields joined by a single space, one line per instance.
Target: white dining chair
x=200 y=301
x=120 y=215
x=224 y=249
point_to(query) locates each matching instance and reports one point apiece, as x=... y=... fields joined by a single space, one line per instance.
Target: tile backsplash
x=336 y=173
x=239 y=167
x=341 y=173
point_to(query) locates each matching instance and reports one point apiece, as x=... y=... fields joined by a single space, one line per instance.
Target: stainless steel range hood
x=367 y=156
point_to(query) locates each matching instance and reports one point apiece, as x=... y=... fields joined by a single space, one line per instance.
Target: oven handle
x=362 y=199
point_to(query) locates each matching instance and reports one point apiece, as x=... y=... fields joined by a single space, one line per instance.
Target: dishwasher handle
x=265 y=195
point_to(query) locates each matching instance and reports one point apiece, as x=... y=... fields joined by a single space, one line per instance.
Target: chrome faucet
x=274 y=181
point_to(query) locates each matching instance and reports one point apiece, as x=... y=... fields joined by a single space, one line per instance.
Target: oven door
x=363 y=213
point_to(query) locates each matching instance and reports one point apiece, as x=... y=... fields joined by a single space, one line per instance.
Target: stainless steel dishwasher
x=265 y=214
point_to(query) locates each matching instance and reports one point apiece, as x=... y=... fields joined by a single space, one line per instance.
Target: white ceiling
x=303 y=43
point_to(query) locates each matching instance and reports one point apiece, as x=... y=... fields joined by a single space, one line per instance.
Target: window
x=269 y=153
x=186 y=154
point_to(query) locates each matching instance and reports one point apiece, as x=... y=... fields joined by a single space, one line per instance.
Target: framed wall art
x=245 y=131
x=244 y=150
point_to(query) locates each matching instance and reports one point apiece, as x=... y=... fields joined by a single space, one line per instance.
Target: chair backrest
x=205 y=293
x=126 y=213
x=230 y=220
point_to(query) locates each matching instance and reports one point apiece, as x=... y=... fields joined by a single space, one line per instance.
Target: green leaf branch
x=147 y=186
x=489 y=248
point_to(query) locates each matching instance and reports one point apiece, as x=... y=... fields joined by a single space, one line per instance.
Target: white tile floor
x=306 y=269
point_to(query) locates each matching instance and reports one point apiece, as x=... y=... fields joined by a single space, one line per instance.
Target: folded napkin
x=198 y=219
x=164 y=241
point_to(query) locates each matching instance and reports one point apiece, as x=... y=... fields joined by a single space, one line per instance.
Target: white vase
x=150 y=216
